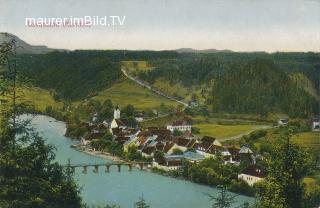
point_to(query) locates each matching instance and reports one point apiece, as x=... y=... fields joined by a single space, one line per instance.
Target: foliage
x=141 y=203
x=223 y=200
x=261 y=87
x=287 y=166
x=29 y=177
x=133 y=154
x=176 y=132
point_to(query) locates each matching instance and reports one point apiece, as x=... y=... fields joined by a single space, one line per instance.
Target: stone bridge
x=106 y=166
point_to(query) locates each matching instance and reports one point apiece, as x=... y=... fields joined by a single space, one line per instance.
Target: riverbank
x=104 y=155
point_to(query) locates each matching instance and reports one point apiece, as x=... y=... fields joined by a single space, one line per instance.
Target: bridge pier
x=141 y=166
x=85 y=169
x=96 y=169
x=119 y=167
x=107 y=169
x=130 y=167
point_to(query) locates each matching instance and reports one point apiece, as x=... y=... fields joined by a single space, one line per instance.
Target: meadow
x=128 y=92
x=225 y=131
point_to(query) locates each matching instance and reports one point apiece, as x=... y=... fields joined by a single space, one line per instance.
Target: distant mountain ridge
x=25 y=48
x=191 y=50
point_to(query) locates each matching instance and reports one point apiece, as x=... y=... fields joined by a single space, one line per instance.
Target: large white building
x=252 y=174
x=179 y=125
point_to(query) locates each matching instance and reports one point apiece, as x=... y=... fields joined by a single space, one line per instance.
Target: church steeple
x=116 y=113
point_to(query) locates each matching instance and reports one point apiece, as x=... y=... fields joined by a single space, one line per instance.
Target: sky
x=238 y=25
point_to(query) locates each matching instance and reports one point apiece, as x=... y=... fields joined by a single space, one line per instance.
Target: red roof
x=180 y=123
x=254 y=170
x=122 y=122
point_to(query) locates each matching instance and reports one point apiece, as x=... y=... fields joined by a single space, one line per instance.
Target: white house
x=179 y=125
x=316 y=125
x=252 y=174
x=283 y=121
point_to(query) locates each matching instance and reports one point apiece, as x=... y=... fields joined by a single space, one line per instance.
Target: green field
x=136 y=65
x=37 y=97
x=224 y=131
x=308 y=139
x=128 y=92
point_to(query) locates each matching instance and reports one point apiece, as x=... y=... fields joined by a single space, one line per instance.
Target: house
x=208 y=146
x=93 y=135
x=193 y=103
x=139 y=116
x=119 y=123
x=193 y=157
x=252 y=174
x=169 y=162
x=316 y=124
x=180 y=125
x=245 y=150
x=184 y=143
x=283 y=121
x=235 y=155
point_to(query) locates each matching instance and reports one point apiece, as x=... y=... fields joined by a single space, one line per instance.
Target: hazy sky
x=239 y=25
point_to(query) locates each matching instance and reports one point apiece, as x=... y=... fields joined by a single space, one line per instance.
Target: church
x=117 y=122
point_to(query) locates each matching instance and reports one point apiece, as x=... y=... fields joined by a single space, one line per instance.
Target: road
x=146 y=85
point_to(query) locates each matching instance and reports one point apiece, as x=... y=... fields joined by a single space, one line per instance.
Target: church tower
x=116 y=113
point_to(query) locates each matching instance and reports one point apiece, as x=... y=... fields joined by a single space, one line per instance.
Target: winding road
x=146 y=85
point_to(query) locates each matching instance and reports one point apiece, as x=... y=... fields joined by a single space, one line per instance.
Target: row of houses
x=153 y=140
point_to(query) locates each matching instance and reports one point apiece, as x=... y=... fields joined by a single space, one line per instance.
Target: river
x=123 y=188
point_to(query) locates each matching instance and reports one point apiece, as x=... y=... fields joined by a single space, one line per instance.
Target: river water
x=126 y=187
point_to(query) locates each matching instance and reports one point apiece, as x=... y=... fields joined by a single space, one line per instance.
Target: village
x=168 y=147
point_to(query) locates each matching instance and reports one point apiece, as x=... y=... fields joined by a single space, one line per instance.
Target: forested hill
x=78 y=74
x=245 y=82
x=260 y=86
x=230 y=82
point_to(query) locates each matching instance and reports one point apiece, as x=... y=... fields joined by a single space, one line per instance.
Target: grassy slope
x=164 y=85
x=39 y=98
x=128 y=92
x=223 y=131
x=308 y=139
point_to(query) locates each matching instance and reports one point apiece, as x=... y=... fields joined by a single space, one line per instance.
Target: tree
x=29 y=177
x=223 y=200
x=141 y=203
x=128 y=111
x=107 y=136
x=176 y=132
x=287 y=165
x=106 y=111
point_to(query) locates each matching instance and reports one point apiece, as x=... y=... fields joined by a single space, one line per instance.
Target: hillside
x=189 y=76
x=23 y=47
x=260 y=86
x=72 y=75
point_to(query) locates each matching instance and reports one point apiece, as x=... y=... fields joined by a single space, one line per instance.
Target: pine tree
x=141 y=203
x=223 y=200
